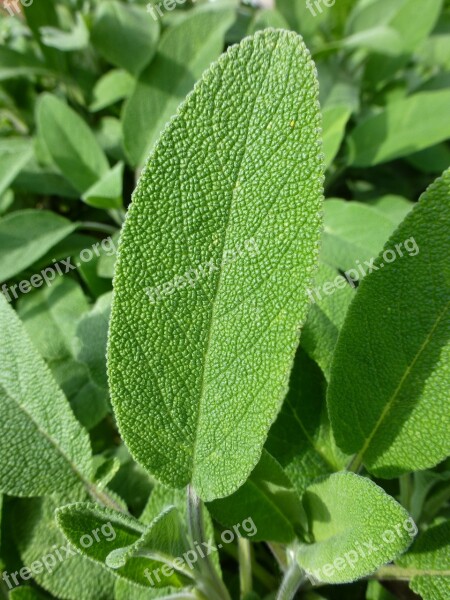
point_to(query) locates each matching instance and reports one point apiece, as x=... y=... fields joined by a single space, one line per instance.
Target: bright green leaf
x=390 y=372
x=355 y=528
x=70 y=142
x=234 y=183
x=403 y=128
x=112 y=87
x=106 y=193
x=14 y=155
x=75 y=39
x=334 y=121
x=125 y=35
x=185 y=51
x=353 y=233
x=25 y=236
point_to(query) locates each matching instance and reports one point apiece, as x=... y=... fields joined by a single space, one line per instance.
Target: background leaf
x=406 y=359
x=429 y=555
x=43 y=447
x=186 y=49
x=71 y=143
x=27 y=235
x=402 y=128
x=137 y=31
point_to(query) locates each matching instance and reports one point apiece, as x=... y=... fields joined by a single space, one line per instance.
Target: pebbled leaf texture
x=69 y=575
x=234 y=186
x=118 y=552
x=44 y=448
x=388 y=394
x=355 y=528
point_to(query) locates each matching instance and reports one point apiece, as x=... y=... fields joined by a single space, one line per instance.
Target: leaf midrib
x=203 y=386
x=359 y=457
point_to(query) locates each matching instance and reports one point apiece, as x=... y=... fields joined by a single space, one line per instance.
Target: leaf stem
x=355 y=464
x=210 y=583
x=245 y=566
x=406 y=490
x=259 y=572
x=279 y=554
x=392 y=572
x=93 y=226
x=293 y=579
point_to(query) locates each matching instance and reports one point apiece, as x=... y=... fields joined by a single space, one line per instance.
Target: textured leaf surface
x=233 y=185
x=44 y=448
x=26 y=235
x=77 y=519
x=349 y=519
x=396 y=337
x=430 y=557
x=186 y=49
x=65 y=574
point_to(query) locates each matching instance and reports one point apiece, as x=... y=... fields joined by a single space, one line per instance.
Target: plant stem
x=102 y=227
x=210 y=583
x=405 y=574
x=280 y=555
x=259 y=572
x=245 y=566
x=292 y=581
x=406 y=489
x=355 y=464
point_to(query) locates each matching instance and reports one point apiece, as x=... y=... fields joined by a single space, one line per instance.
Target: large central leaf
x=216 y=255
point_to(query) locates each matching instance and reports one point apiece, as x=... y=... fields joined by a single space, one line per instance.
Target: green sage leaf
x=44 y=448
x=234 y=185
x=403 y=415
x=355 y=527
